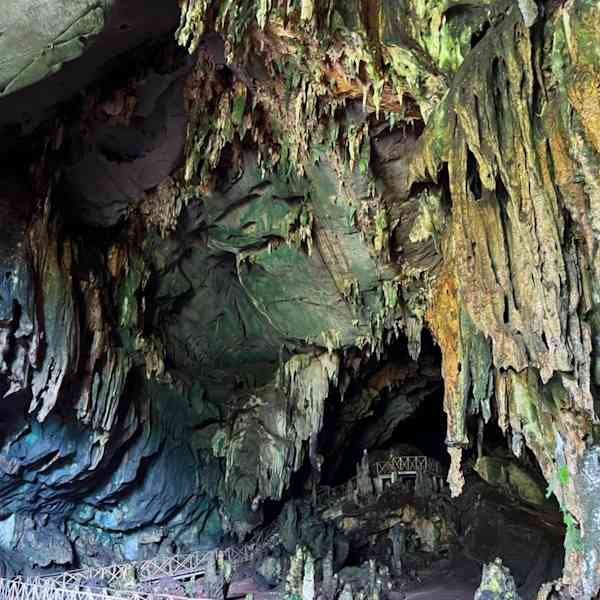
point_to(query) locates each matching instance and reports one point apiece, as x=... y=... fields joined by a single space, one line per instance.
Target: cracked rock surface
x=240 y=242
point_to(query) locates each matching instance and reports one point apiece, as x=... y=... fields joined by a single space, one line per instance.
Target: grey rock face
x=38 y=36
x=126 y=25
x=135 y=142
x=589 y=480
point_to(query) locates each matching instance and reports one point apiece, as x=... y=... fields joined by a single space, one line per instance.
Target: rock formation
x=243 y=241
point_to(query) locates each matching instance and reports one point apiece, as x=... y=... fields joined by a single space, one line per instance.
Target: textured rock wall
x=204 y=256
x=507 y=130
x=89 y=448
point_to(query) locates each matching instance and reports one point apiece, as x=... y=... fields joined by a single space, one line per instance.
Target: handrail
x=146 y=570
x=18 y=589
x=394 y=464
x=400 y=464
x=179 y=566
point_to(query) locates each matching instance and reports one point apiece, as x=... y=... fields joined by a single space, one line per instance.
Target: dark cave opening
x=394 y=404
x=425 y=430
x=473 y=178
x=503 y=510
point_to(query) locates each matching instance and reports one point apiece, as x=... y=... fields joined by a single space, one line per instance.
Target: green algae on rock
x=223 y=278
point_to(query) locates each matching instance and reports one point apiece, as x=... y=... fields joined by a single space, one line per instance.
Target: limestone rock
x=510 y=476
x=219 y=259
x=38 y=37
x=496 y=583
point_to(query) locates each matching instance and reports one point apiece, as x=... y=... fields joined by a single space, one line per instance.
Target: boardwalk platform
x=384 y=474
x=18 y=589
x=77 y=584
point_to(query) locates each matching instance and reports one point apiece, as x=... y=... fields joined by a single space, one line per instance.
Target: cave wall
x=213 y=248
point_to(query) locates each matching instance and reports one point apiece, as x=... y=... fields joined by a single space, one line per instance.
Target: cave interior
x=312 y=281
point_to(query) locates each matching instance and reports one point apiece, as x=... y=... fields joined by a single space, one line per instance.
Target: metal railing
x=331 y=495
x=394 y=464
x=176 y=567
x=18 y=589
x=180 y=566
x=407 y=464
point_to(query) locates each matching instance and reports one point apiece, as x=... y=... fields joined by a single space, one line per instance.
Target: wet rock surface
x=244 y=245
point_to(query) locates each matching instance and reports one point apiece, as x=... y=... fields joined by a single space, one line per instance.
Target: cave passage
x=395 y=405
x=503 y=510
x=424 y=430
x=317 y=278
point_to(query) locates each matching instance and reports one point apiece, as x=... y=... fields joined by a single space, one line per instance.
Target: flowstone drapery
x=222 y=262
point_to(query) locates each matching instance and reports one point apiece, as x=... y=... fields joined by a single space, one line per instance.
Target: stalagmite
x=246 y=245
x=295 y=578
x=363 y=478
x=308 y=582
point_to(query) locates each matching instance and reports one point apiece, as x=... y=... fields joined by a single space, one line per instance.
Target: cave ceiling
x=230 y=226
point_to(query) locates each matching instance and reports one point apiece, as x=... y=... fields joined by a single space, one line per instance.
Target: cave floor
x=239 y=589
x=455 y=579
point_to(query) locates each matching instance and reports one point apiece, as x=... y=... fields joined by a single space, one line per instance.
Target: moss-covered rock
x=511 y=477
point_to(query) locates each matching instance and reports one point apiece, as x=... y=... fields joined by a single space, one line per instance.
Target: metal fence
x=77 y=585
x=330 y=495
x=175 y=567
x=181 y=566
x=407 y=464
x=18 y=589
x=394 y=464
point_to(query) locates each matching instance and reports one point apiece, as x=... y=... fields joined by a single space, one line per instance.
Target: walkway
x=391 y=469
x=71 y=585
x=18 y=589
x=68 y=585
